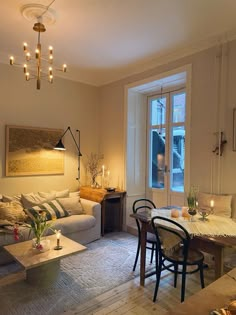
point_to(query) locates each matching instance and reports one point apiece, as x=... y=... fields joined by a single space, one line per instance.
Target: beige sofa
x=83 y=224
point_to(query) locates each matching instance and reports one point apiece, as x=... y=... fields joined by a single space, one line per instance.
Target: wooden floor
x=131 y=298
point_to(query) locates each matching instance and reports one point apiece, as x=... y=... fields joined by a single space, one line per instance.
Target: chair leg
x=152 y=252
x=158 y=274
x=183 y=283
x=175 y=275
x=137 y=254
x=202 y=275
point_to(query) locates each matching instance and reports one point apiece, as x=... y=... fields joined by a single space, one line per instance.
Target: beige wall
x=213 y=96
x=62 y=104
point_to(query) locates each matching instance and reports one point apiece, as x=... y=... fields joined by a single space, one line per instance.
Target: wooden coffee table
x=43 y=268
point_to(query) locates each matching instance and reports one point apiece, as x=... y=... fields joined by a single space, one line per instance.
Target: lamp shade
x=59 y=146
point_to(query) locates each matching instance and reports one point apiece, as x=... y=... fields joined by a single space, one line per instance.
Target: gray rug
x=106 y=264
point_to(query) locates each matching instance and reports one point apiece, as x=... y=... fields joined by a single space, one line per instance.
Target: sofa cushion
x=72 y=205
x=53 y=209
x=12 y=211
x=47 y=195
x=62 y=193
x=74 y=223
x=222 y=203
x=31 y=200
x=6 y=198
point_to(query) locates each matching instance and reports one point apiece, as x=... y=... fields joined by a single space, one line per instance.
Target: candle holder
x=58 y=245
x=204 y=213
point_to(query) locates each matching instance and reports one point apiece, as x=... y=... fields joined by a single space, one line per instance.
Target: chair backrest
x=142 y=204
x=169 y=234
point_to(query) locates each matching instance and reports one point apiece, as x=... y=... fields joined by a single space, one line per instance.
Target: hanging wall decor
x=30 y=151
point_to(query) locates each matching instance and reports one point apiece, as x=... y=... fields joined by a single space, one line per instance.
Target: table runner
x=213 y=226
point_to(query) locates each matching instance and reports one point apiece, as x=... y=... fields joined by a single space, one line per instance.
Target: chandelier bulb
x=11 y=60
x=64 y=68
x=37 y=53
x=25 y=46
x=28 y=56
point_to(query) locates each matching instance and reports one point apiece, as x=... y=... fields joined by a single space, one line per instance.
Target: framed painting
x=234 y=129
x=30 y=151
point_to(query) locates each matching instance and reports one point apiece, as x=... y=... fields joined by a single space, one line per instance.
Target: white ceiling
x=106 y=40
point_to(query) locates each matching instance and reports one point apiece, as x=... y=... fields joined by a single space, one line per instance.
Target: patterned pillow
x=53 y=209
x=12 y=211
x=31 y=200
x=62 y=193
x=72 y=205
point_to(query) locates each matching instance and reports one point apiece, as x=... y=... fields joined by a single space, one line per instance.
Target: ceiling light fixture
x=33 y=67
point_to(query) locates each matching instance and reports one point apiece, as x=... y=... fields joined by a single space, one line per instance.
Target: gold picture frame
x=29 y=151
x=234 y=129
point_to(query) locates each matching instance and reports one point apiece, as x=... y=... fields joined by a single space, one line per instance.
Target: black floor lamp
x=60 y=146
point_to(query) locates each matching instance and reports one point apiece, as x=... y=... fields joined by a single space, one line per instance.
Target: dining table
x=211 y=235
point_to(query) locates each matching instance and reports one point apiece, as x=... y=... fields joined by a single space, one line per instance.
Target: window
x=167 y=141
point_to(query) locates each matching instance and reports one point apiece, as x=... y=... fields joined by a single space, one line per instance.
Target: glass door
x=167 y=145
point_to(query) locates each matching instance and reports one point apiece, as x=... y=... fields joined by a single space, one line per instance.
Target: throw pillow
x=12 y=211
x=53 y=209
x=47 y=195
x=222 y=203
x=74 y=194
x=62 y=193
x=32 y=199
x=6 y=198
x=72 y=205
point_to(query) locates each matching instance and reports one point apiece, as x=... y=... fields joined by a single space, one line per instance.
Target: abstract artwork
x=29 y=151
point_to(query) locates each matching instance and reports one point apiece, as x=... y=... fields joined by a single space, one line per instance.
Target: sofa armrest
x=91 y=207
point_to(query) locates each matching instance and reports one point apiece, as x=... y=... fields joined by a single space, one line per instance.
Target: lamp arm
x=74 y=140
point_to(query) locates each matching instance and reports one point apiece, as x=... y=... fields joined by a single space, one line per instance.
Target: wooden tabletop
x=215 y=296
x=99 y=194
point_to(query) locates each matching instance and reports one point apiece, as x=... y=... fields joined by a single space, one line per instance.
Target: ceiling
x=102 y=41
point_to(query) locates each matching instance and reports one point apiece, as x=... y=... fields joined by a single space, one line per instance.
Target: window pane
x=177 y=159
x=158 y=111
x=178 y=108
x=158 y=158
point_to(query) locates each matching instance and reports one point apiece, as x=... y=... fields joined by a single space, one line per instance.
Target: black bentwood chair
x=142 y=205
x=173 y=252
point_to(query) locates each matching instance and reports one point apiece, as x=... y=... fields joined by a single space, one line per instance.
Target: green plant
x=192 y=197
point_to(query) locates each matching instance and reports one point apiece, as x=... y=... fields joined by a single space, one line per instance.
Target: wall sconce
x=60 y=146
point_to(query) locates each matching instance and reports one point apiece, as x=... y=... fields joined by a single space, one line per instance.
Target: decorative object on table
x=228 y=310
x=192 y=212
x=192 y=197
x=110 y=189
x=60 y=146
x=29 y=151
x=94 y=168
x=205 y=212
x=58 y=234
x=36 y=69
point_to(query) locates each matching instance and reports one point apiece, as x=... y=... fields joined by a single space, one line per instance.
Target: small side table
x=112 y=206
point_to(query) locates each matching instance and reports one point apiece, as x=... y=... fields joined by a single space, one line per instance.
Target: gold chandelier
x=34 y=65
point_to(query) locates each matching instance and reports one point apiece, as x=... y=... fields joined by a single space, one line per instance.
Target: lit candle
x=25 y=68
x=25 y=46
x=37 y=53
x=103 y=170
x=197 y=204
x=51 y=58
x=27 y=75
x=50 y=70
x=58 y=237
x=27 y=56
x=212 y=203
x=50 y=50
x=51 y=78
x=64 y=68
x=11 y=60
